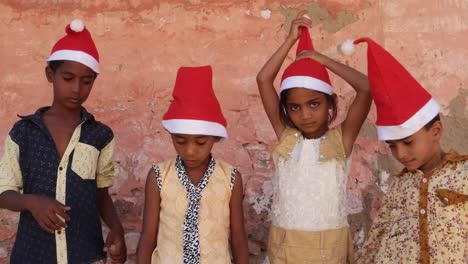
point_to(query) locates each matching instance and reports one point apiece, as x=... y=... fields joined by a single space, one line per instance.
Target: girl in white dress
x=309 y=219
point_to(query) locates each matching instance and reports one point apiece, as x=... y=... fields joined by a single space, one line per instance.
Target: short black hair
x=283 y=108
x=431 y=123
x=55 y=64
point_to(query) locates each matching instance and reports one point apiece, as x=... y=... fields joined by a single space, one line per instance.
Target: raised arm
x=360 y=107
x=268 y=73
x=149 y=233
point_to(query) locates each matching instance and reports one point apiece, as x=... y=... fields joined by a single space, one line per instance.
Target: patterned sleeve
x=10 y=172
x=369 y=250
x=233 y=177
x=106 y=170
x=157 y=172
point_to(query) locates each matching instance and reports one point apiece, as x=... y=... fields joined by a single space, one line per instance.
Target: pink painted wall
x=142 y=43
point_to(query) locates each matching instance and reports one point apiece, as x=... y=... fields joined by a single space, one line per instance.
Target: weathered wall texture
x=143 y=42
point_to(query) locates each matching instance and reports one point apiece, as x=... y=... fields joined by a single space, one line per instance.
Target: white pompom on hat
x=77 y=45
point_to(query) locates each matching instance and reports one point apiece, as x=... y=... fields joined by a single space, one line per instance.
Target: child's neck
x=434 y=162
x=65 y=113
x=195 y=174
x=315 y=134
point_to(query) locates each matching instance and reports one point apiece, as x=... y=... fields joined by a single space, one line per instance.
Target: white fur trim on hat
x=412 y=125
x=306 y=82
x=194 y=127
x=78 y=56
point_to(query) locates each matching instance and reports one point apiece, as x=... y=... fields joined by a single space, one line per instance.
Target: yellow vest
x=213 y=216
x=331 y=148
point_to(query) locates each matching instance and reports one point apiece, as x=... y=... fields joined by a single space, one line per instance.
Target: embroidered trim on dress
x=158 y=176
x=233 y=177
x=194 y=194
x=331 y=145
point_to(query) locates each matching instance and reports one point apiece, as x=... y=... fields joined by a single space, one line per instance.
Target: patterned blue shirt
x=31 y=164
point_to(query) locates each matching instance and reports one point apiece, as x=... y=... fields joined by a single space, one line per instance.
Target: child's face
x=308 y=110
x=193 y=149
x=420 y=150
x=72 y=83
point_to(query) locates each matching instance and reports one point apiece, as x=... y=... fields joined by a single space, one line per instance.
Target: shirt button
x=424 y=180
x=423 y=211
x=60 y=168
x=59 y=232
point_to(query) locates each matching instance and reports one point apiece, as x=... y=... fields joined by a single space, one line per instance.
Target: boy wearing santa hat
x=57 y=167
x=423 y=218
x=193 y=203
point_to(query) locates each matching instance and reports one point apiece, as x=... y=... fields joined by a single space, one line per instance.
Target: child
x=423 y=218
x=193 y=203
x=60 y=158
x=309 y=219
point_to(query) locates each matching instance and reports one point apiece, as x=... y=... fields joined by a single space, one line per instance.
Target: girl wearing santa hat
x=309 y=216
x=60 y=158
x=193 y=203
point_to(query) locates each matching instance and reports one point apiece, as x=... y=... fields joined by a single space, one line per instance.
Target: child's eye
x=314 y=104
x=408 y=142
x=293 y=107
x=180 y=142
x=87 y=81
x=201 y=143
x=67 y=79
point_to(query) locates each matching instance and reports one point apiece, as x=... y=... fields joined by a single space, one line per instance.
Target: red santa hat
x=77 y=45
x=195 y=109
x=306 y=73
x=403 y=105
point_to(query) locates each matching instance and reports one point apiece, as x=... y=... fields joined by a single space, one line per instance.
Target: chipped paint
x=266 y=13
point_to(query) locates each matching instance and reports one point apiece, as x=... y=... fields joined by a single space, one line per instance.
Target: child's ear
x=436 y=130
x=49 y=74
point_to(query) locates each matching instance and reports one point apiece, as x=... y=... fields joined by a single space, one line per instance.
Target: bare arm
x=15 y=201
x=268 y=73
x=149 y=234
x=45 y=210
x=239 y=246
x=115 y=241
x=107 y=210
x=361 y=105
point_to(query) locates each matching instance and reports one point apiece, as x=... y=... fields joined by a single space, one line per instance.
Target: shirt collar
x=36 y=117
x=450 y=157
